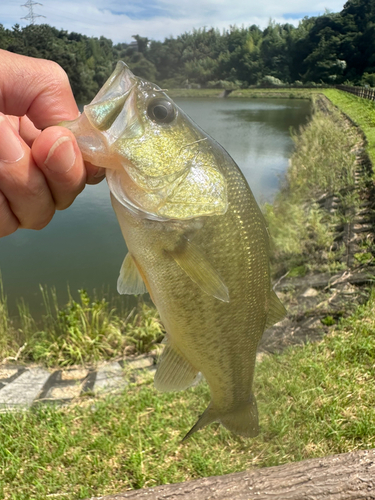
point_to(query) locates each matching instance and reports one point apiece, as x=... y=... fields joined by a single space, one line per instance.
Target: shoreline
x=316 y=301
x=252 y=93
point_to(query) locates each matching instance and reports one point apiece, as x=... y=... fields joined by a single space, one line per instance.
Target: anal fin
x=130 y=281
x=174 y=372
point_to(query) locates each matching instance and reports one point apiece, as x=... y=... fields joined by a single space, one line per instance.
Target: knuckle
x=8 y=222
x=64 y=201
x=58 y=78
x=63 y=205
x=52 y=78
x=54 y=70
x=34 y=190
x=6 y=230
x=40 y=221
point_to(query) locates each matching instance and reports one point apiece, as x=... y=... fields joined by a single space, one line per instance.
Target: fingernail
x=61 y=156
x=11 y=149
x=100 y=172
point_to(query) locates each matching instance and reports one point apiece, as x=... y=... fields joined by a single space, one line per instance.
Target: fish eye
x=161 y=111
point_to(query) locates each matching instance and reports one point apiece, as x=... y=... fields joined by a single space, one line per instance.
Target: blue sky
x=157 y=19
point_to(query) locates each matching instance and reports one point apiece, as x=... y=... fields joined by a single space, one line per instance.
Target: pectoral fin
x=276 y=311
x=198 y=268
x=130 y=281
x=174 y=372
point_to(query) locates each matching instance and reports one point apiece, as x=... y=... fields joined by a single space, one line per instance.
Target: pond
x=83 y=247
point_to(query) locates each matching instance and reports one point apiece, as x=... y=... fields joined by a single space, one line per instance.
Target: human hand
x=40 y=170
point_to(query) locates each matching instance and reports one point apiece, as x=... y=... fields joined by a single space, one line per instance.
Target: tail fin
x=243 y=420
x=207 y=417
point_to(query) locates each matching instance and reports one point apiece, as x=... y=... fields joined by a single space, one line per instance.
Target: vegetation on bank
x=313 y=401
x=82 y=332
x=360 y=111
x=331 y=48
x=322 y=164
x=251 y=93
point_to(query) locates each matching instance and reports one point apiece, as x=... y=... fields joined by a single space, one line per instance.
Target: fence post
x=363 y=92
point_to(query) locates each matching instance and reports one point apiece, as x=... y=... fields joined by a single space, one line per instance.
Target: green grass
x=361 y=111
x=252 y=93
x=194 y=92
x=313 y=401
x=287 y=93
x=81 y=332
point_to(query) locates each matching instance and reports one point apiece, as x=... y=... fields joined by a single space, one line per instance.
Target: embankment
x=322 y=225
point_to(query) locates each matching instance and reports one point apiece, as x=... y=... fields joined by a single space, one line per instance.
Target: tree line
x=331 y=48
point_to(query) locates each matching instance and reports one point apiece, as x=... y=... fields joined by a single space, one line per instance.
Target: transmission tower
x=31 y=16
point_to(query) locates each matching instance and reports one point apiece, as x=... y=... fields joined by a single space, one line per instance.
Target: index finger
x=37 y=88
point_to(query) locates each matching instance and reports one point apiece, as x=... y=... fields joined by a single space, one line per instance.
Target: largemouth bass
x=196 y=238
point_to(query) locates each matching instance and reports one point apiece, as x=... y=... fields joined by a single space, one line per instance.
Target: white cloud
x=158 y=19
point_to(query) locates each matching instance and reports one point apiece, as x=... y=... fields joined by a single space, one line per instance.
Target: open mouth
x=107 y=118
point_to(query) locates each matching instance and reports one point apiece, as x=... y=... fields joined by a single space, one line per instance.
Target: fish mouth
x=107 y=105
x=106 y=118
x=112 y=115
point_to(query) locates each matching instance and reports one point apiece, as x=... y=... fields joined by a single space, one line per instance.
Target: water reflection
x=256 y=133
x=83 y=248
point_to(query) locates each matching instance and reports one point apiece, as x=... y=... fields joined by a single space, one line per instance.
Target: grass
x=252 y=93
x=82 y=332
x=323 y=163
x=361 y=111
x=313 y=401
x=194 y=92
x=287 y=93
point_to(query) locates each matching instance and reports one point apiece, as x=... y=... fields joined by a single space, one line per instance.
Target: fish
x=197 y=242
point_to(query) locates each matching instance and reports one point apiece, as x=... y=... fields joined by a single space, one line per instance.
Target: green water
x=83 y=248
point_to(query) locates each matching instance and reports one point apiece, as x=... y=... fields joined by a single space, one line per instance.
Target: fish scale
x=197 y=242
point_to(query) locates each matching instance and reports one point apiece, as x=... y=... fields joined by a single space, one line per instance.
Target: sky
x=118 y=20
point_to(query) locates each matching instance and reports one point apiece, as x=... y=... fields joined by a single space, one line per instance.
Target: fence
x=365 y=92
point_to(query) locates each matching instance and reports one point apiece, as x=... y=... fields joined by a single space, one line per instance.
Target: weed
x=297 y=271
x=328 y=321
x=8 y=344
x=83 y=331
x=364 y=258
x=144 y=331
x=323 y=163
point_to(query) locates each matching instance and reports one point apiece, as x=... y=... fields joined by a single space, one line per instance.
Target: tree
x=330 y=48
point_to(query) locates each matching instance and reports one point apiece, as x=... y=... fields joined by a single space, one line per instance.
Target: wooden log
x=349 y=476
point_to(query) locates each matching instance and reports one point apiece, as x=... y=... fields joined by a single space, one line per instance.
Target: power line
x=31 y=16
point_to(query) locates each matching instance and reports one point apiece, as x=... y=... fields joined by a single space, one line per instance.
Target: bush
x=271 y=81
x=368 y=79
x=222 y=84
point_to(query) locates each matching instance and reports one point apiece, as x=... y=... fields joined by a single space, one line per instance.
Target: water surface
x=83 y=247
